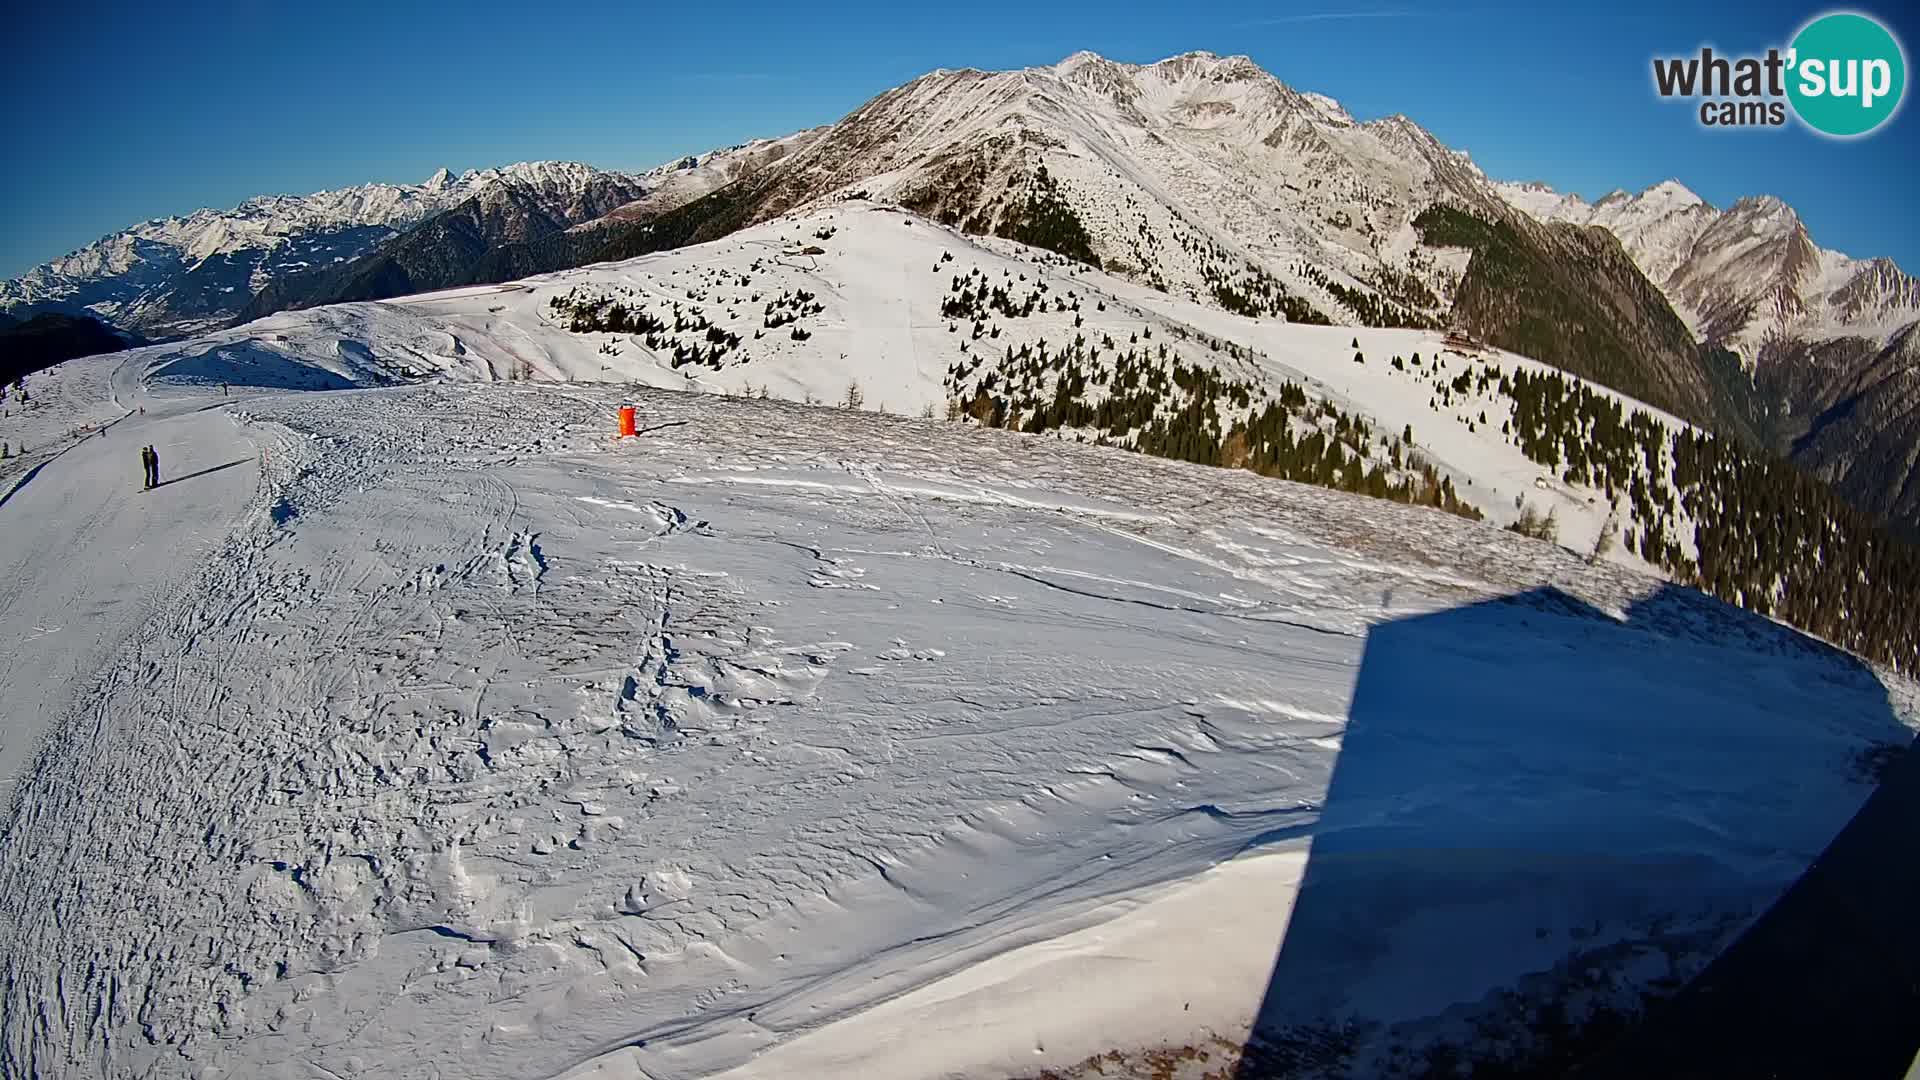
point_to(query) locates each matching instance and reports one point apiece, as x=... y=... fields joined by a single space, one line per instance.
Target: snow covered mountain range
x=1200 y=176
x=1082 y=697
x=180 y=275
x=1207 y=178
x=1747 y=277
x=683 y=180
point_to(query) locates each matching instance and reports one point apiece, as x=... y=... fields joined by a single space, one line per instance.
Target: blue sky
x=121 y=112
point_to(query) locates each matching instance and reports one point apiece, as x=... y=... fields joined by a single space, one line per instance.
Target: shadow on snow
x=204 y=472
x=249 y=365
x=1545 y=821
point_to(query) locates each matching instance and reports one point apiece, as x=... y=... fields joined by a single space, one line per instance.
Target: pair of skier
x=150 y=468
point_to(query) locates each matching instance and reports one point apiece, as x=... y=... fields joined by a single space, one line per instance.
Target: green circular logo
x=1848 y=74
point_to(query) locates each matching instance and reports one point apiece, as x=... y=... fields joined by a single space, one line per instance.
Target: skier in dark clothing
x=150 y=467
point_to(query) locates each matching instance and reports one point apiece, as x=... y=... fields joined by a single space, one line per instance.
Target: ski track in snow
x=59 y=411
x=485 y=745
x=77 y=575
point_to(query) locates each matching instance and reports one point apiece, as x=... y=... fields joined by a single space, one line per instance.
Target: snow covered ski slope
x=482 y=744
x=86 y=563
x=918 y=319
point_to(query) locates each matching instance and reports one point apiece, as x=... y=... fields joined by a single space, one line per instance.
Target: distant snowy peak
x=546 y=175
x=267 y=220
x=1536 y=199
x=1674 y=193
x=189 y=272
x=682 y=180
x=726 y=158
x=1662 y=199
x=1198 y=64
x=1329 y=109
x=1743 y=276
x=1194 y=89
x=1091 y=67
x=1657 y=227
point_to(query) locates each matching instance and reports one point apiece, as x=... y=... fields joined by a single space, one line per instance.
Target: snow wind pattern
x=567 y=751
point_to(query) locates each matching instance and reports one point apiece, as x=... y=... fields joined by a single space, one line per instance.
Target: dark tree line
x=1772 y=539
x=973 y=297
x=1243 y=287
x=1370 y=308
x=1259 y=295
x=47 y=339
x=1045 y=219
x=1405 y=288
x=1151 y=400
x=584 y=313
x=1764 y=536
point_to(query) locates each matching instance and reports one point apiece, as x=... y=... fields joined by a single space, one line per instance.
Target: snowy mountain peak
x=1081 y=59
x=1110 y=77
x=1542 y=201
x=1538 y=200
x=1085 y=66
x=1741 y=277
x=1191 y=60
x=1331 y=110
x=1203 y=65
x=536 y=173
x=183 y=274
x=1097 y=73
x=1673 y=192
x=1769 y=208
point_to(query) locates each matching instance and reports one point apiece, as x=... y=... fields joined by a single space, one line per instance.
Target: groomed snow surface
x=822 y=743
x=431 y=731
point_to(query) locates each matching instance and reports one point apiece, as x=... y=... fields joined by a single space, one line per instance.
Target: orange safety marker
x=626 y=420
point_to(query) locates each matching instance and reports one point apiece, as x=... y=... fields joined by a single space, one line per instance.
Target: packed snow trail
x=487 y=745
x=86 y=557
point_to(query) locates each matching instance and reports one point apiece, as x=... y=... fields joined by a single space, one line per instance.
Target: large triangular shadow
x=1827 y=983
x=1545 y=821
